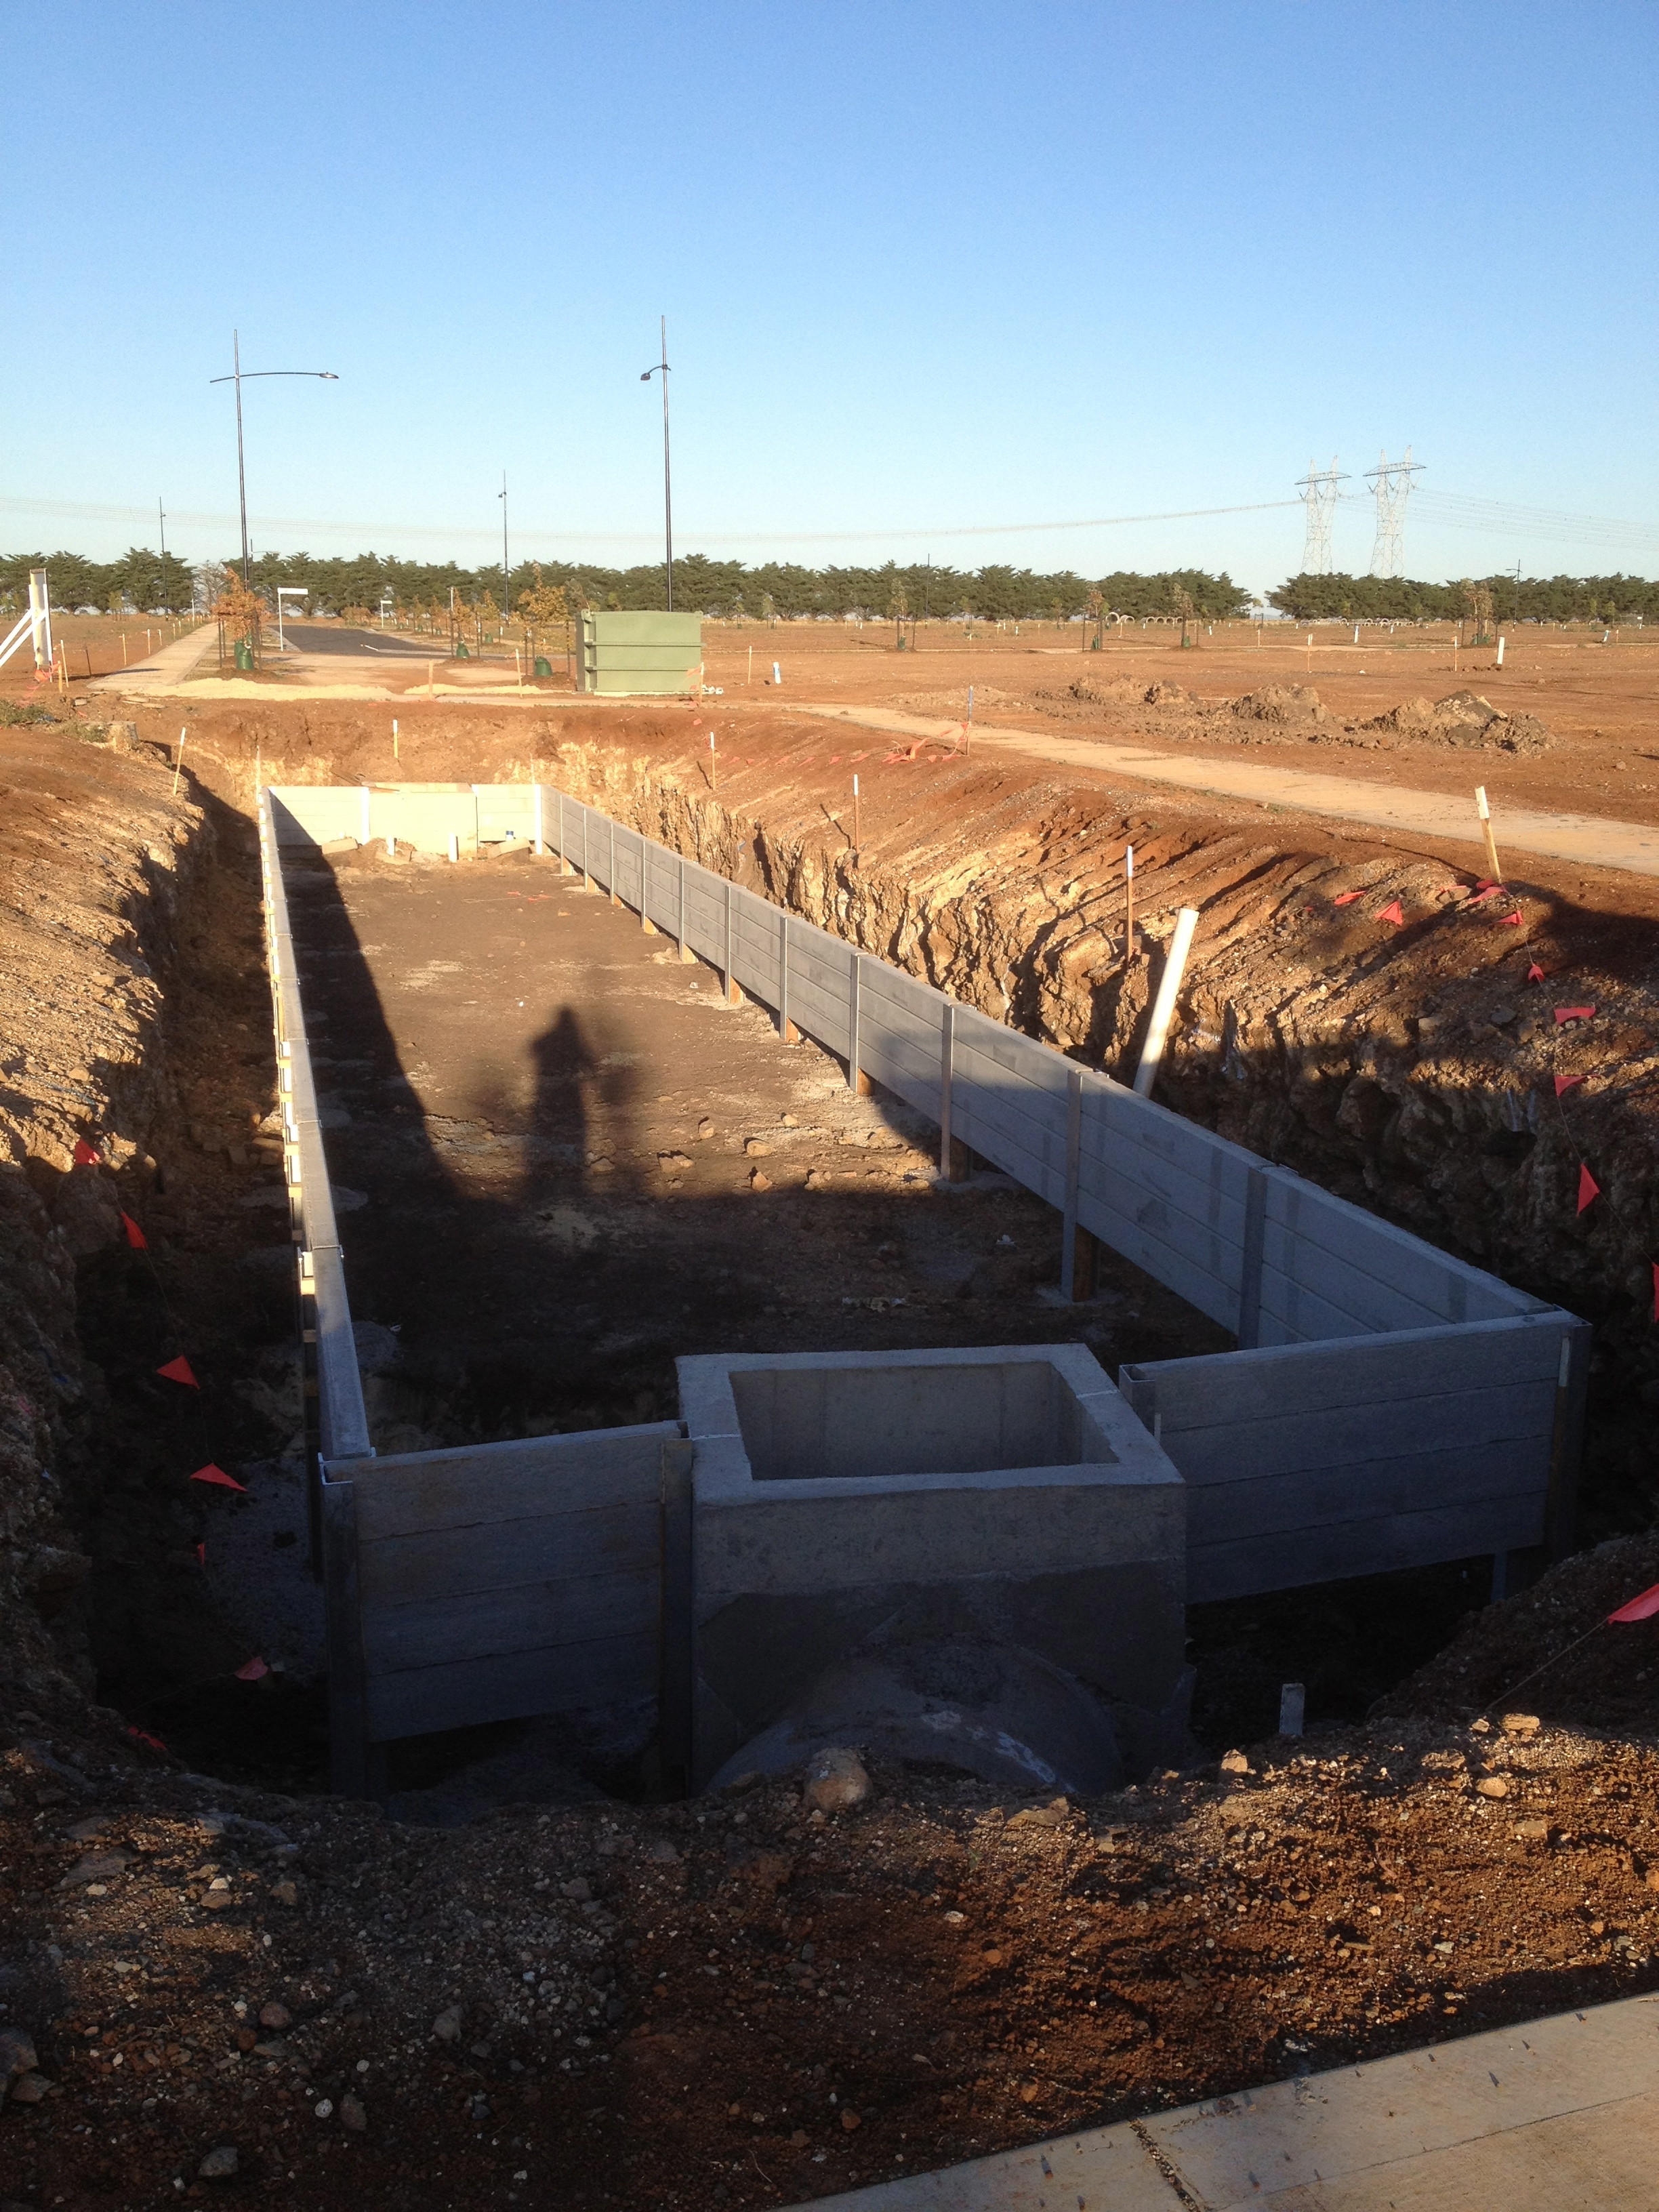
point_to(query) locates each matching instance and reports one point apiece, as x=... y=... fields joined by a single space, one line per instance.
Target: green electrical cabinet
x=626 y=653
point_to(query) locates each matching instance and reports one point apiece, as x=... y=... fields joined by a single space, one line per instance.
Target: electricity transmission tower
x=1392 y=483
x=1319 y=493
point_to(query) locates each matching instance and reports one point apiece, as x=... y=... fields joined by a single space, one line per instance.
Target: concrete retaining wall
x=498 y=1580
x=1389 y=1405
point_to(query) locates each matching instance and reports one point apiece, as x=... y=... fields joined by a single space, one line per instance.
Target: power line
x=1445 y=510
x=70 y=511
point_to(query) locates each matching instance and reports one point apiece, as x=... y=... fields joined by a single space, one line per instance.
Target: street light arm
x=245 y=375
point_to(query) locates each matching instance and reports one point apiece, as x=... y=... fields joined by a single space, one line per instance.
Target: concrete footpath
x=1590 y=840
x=1561 y=2115
x=169 y=665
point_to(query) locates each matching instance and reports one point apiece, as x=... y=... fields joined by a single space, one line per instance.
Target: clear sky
x=928 y=268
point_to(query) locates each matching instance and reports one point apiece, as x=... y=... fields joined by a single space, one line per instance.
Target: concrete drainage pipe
x=992 y=1710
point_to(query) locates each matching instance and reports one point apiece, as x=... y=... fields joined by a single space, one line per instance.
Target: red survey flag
x=1535 y=974
x=255 y=1671
x=136 y=1236
x=1564 y=1014
x=1347 y=898
x=1514 y=921
x=1639 y=1608
x=84 y=1155
x=201 y=1555
x=179 y=1369
x=143 y=1735
x=1589 y=1189
x=1479 y=898
x=1565 y=1082
x=217 y=1476
x=1392 y=912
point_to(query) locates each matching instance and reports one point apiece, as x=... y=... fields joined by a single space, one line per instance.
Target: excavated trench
x=521 y=1264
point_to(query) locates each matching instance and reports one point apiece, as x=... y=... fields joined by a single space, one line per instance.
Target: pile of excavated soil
x=1286 y=714
x=1554 y=1649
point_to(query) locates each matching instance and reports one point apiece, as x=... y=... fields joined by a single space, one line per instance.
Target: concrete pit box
x=944 y=1547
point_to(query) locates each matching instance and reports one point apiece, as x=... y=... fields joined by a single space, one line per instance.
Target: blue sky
x=928 y=268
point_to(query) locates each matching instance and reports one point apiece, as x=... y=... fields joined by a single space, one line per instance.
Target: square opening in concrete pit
x=818 y=1420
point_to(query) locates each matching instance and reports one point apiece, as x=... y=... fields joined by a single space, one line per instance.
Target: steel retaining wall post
x=1073 y=1162
x=787 y=1029
x=1249 y=1280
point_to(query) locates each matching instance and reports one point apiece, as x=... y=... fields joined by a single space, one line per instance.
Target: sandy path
x=1588 y=839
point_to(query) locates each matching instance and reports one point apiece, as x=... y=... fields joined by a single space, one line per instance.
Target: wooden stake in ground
x=1485 y=813
x=1129 y=904
x=432 y=679
x=178 y=763
x=394 y=737
x=751 y=676
x=713 y=765
x=857 y=840
x=968 y=731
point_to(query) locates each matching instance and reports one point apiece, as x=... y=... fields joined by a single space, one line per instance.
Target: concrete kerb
x=1559 y=2115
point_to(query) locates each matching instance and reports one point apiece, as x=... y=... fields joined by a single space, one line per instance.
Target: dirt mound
x=1282 y=702
x=1118 y=691
x=1611 y=1680
x=1463 y=718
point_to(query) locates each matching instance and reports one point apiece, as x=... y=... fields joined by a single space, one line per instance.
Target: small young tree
x=769 y=608
x=241 y=610
x=543 y=606
x=898 y=605
x=1477 y=597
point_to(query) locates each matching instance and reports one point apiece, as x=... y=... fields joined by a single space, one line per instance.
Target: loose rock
x=837 y=1781
x=353 y=2116
x=16 y=2054
x=219 y=2163
x=447 y=2026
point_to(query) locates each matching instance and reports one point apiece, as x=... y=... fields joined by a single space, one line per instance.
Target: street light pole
x=667 y=473
x=326 y=375
x=507 y=584
x=162 y=517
